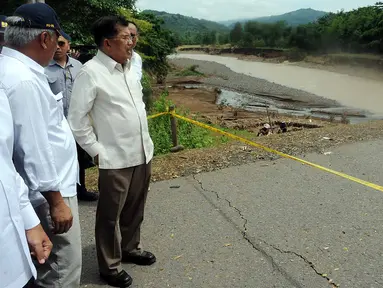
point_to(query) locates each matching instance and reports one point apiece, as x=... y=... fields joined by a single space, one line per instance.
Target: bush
x=190 y=71
x=189 y=135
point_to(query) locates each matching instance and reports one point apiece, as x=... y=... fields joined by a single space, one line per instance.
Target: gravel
x=222 y=76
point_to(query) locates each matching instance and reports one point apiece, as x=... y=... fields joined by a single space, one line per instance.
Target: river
x=349 y=91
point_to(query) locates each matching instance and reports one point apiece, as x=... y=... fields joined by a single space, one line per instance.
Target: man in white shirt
x=61 y=73
x=136 y=59
x=108 y=91
x=45 y=150
x=19 y=224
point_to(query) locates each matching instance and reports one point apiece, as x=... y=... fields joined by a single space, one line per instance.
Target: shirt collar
x=109 y=63
x=23 y=58
x=69 y=63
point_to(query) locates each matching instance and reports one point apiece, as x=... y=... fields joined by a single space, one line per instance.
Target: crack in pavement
x=245 y=236
x=312 y=266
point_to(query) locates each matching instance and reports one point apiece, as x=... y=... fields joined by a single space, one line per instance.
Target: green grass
x=190 y=71
x=355 y=56
x=189 y=135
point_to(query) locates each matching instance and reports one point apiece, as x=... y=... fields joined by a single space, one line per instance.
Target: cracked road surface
x=266 y=224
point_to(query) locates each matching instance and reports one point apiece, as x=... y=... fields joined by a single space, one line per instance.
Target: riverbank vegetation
x=76 y=17
x=357 y=31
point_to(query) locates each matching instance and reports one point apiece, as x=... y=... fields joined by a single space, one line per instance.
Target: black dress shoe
x=145 y=259
x=121 y=279
x=87 y=196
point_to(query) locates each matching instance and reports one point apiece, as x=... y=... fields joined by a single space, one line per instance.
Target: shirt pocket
x=54 y=84
x=59 y=115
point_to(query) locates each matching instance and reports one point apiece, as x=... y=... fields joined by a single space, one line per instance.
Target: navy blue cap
x=3 y=24
x=37 y=15
x=66 y=36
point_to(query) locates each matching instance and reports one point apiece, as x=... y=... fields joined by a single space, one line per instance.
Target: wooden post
x=268 y=116
x=173 y=126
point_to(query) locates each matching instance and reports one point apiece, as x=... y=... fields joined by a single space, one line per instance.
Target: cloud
x=227 y=9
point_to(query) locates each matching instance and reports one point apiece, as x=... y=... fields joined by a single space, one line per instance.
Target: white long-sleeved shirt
x=112 y=96
x=16 y=212
x=45 y=152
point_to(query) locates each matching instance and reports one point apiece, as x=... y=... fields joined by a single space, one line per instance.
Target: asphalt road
x=266 y=224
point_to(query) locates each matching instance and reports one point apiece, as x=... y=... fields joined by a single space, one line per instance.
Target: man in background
x=136 y=60
x=3 y=25
x=44 y=150
x=61 y=72
x=108 y=90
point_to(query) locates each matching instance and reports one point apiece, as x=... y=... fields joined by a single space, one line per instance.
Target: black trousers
x=85 y=162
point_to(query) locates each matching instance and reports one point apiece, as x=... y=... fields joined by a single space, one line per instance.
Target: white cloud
x=228 y=9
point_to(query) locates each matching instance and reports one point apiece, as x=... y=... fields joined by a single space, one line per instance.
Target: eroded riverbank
x=303 y=83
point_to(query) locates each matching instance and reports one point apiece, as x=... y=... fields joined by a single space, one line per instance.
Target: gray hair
x=20 y=36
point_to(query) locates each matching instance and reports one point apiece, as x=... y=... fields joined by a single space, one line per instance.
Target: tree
x=236 y=34
x=248 y=40
x=223 y=38
x=76 y=16
x=155 y=43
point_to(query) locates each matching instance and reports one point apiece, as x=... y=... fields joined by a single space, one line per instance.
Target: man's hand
x=60 y=213
x=96 y=160
x=39 y=243
x=62 y=217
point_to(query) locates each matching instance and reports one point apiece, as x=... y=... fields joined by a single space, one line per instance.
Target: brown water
x=350 y=91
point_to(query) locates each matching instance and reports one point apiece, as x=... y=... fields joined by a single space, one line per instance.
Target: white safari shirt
x=45 y=152
x=16 y=212
x=118 y=129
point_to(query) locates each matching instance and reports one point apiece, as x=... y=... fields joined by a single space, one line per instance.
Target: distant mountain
x=182 y=25
x=301 y=16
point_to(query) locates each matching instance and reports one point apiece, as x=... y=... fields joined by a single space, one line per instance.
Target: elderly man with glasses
x=61 y=72
x=108 y=90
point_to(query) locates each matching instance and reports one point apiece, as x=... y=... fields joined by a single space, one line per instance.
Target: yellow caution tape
x=157 y=115
x=251 y=143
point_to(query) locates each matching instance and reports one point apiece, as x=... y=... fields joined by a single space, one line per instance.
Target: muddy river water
x=349 y=91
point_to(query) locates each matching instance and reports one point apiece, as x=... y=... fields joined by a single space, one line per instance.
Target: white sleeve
x=82 y=100
x=28 y=214
x=139 y=62
x=33 y=155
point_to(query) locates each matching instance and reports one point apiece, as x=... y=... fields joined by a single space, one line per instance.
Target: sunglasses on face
x=61 y=43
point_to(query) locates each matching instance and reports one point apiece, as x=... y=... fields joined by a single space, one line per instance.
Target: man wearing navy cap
x=44 y=150
x=3 y=25
x=61 y=73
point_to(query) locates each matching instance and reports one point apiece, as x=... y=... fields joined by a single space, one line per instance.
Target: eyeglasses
x=61 y=43
x=130 y=37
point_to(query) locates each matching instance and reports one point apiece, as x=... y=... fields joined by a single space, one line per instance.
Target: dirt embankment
x=221 y=76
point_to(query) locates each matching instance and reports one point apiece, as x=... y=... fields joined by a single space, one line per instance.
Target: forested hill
x=294 y=18
x=181 y=24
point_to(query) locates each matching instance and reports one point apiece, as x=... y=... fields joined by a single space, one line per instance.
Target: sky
x=219 y=10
